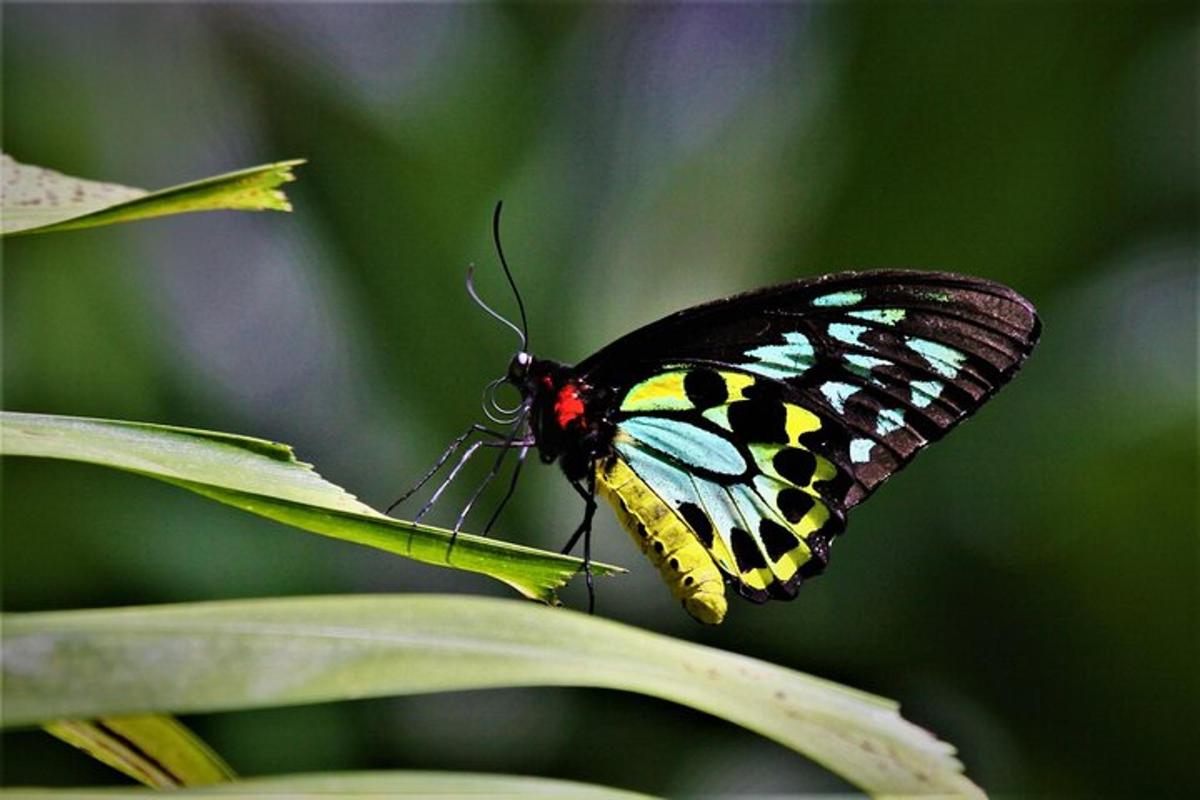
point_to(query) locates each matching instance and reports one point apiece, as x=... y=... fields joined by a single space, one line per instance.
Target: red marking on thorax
x=568 y=406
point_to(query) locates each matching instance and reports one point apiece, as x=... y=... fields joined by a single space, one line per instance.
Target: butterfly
x=732 y=438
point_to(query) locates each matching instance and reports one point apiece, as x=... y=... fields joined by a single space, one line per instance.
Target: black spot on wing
x=705 y=388
x=765 y=390
x=745 y=551
x=795 y=465
x=838 y=487
x=794 y=504
x=778 y=540
x=699 y=522
x=832 y=441
x=833 y=435
x=762 y=421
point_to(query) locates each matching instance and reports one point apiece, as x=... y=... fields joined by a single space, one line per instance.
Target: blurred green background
x=1027 y=589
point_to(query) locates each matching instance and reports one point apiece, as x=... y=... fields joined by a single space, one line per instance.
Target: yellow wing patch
x=666 y=540
x=790 y=563
x=666 y=392
x=662 y=392
x=736 y=384
x=799 y=422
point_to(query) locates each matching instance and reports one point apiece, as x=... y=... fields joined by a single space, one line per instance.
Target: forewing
x=893 y=358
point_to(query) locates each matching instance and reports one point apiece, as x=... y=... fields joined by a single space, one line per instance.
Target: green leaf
x=36 y=199
x=265 y=478
x=256 y=653
x=366 y=785
x=156 y=750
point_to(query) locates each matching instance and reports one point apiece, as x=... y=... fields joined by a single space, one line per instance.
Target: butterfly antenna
x=508 y=274
x=491 y=312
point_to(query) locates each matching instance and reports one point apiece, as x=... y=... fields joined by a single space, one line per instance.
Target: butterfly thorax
x=568 y=416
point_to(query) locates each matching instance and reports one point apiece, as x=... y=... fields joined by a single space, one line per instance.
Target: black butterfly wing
x=893 y=358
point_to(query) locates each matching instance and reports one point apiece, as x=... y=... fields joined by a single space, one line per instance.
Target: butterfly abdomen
x=666 y=540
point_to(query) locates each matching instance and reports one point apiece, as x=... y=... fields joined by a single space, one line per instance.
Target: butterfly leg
x=585 y=530
x=445 y=456
x=509 y=443
x=512 y=487
x=471 y=450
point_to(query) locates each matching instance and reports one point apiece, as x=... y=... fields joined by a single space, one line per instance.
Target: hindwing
x=745 y=469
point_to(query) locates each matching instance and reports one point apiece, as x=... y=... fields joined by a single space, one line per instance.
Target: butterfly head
x=518 y=369
x=531 y=377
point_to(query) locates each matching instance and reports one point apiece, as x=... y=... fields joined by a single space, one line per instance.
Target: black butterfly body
x=733 y=437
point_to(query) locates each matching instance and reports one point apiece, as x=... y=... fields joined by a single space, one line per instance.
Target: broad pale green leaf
x=255 y=653
x=156 y=750
x=35 y=199
x=265 y=478
x=365 y=785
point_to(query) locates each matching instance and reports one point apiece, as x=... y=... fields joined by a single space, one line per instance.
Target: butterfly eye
x=518 y=368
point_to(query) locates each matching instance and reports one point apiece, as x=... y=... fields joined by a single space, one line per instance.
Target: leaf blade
x=266 y=479
x=361 y=785
x=38 y=200
x=155 y=750
x=180 y=658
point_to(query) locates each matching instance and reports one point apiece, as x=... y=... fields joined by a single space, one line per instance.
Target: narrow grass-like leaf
x=366 y=785
x=266 y=479
x=156 y=750
x=35 y=199
x=255 y=653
